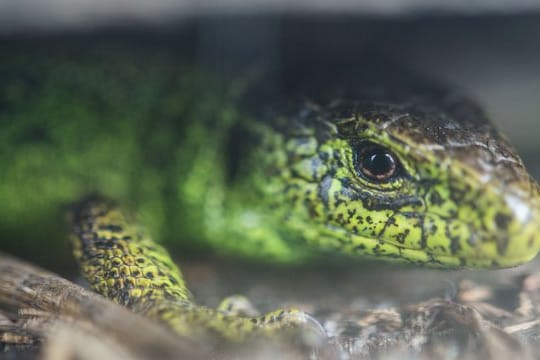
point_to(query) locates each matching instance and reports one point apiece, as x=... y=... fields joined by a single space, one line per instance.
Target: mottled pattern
x=464 y=199
x=119 y=260
x=122 y=263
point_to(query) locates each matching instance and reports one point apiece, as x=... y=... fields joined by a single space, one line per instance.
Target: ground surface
x=369 y=311
x=379 y=310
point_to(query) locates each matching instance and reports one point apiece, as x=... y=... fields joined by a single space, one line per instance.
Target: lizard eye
x=377 y=163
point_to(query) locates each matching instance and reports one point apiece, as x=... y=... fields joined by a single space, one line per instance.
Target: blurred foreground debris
x=45 y=316
x=37 y=306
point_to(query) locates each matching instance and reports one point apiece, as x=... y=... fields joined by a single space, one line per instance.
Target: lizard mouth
x=507 y=236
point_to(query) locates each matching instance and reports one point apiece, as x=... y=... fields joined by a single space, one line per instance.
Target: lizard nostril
x=503 y=221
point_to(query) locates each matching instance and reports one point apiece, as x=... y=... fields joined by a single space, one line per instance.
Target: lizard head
x=430 y=182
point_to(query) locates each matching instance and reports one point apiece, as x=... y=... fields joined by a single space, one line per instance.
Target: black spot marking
x=130 y=283
x=312 y=210
x=423 y=236
x=104 y=243
x=360 y=247
x=454 y=241
x=323 y=156
x=401 y=237
x=435 y=198
x=502 y=245
x=111 y=227
x=502 y=221
x=116 y=262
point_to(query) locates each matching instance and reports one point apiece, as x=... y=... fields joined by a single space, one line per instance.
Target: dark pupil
x=378 y=163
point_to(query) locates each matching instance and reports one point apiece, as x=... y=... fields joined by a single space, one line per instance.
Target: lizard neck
x=228 y=194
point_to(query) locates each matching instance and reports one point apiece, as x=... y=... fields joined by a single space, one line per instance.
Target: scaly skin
x=466 y=199
x=124 y=264
x=278 y=184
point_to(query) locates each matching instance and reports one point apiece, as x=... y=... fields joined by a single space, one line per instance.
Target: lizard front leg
x=121 y=262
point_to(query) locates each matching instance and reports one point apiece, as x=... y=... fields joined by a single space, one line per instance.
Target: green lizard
x=402 y=172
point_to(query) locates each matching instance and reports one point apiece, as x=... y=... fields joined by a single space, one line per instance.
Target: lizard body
x=396 y=170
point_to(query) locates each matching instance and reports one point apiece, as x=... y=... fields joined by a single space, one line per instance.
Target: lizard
x=398 y=170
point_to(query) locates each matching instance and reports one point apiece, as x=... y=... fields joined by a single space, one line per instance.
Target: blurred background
x=488 y=48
